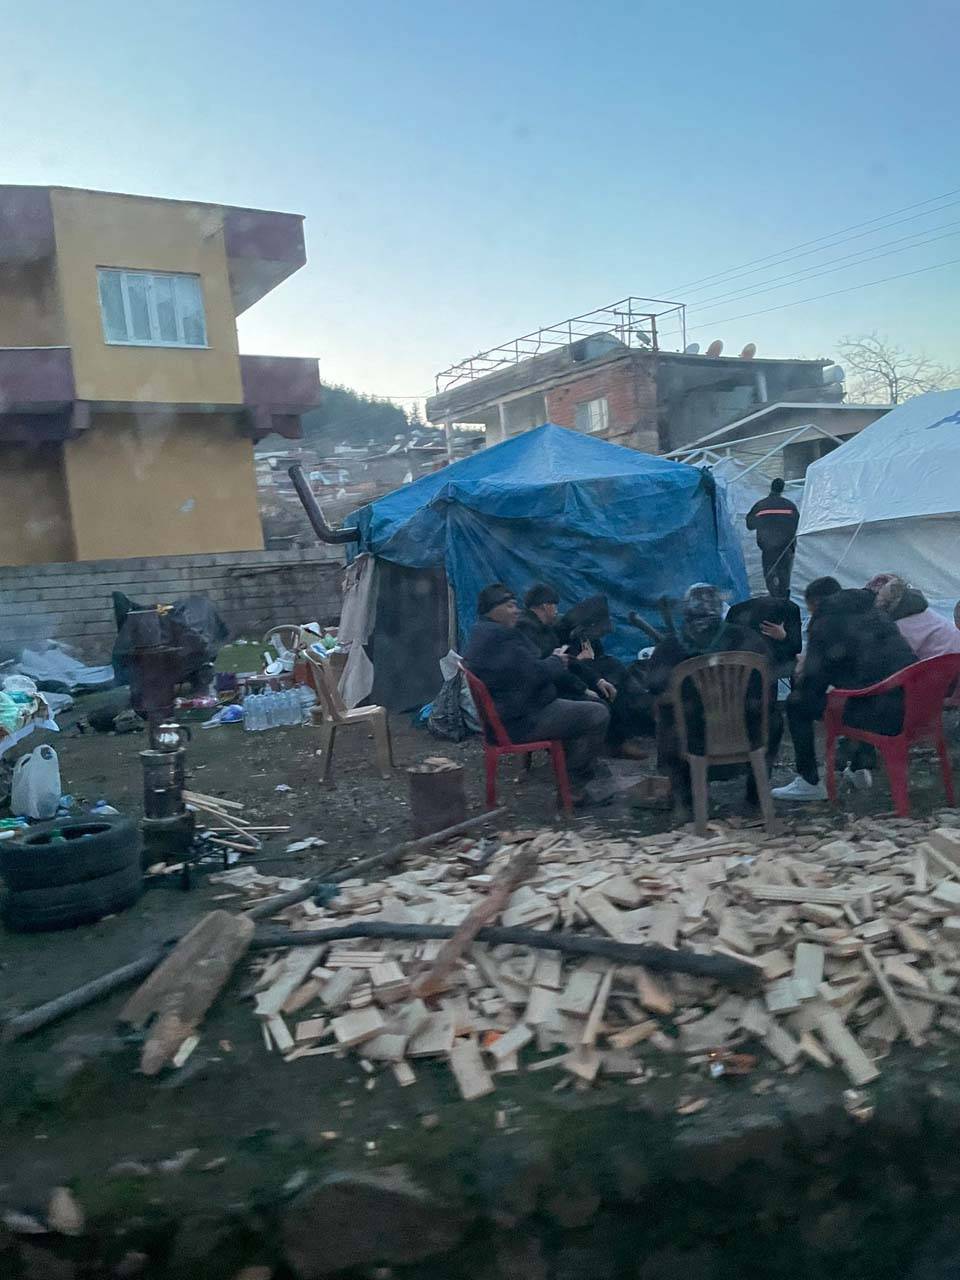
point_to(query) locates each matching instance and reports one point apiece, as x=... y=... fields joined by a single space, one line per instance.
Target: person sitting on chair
x=538 y=624
x=523 y=685
x=704 y=630
x=850 y=645
x=778 y=621
x=928 y=633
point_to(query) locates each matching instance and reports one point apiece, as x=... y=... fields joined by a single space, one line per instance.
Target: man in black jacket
x=538 y=623
x=522 y=685
x=850 y=645
x=775 y=520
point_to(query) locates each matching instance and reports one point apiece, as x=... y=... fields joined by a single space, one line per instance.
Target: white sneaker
x=801 y=789
x=859 y=779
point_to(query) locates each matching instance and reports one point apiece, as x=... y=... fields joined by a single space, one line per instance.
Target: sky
x=471 y=172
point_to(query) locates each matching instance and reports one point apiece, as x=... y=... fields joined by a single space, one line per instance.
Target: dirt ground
x=72 y=1106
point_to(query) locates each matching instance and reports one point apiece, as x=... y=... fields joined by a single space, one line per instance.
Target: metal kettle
x=170 y=737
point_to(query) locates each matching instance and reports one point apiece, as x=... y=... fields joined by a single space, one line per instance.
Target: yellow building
x=127 y=415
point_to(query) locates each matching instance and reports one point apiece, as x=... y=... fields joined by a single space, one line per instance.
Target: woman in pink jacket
x=928 y=634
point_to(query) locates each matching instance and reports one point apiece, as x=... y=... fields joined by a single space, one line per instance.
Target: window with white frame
x=593 y=415
x=151 y=308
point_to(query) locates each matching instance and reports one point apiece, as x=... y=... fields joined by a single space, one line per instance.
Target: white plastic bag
x=35 y=792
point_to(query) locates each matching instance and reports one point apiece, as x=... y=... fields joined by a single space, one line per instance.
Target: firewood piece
x=579 y=993
x=807 y=969
x=473 y=1079
x=811 y=1047
x=359 y=1025
x=510 y=1042
x=517 y=870
x=841 y=1043
x=595 y=1017
x=781 y=1044
x=184 y=986
x=664 y=926
x=603 y=914
x=654 y=995
x=893 y=1000
x=295 y=970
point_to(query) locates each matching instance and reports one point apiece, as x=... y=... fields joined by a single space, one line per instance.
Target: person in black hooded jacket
x=850 y=645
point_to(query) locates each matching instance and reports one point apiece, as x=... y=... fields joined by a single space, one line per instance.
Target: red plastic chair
x=492 y=726
x=925 y=685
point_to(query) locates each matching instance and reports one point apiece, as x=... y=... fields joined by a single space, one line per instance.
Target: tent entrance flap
x=409 y=636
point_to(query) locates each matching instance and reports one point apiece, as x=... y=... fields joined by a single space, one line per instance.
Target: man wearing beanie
x=522 y=685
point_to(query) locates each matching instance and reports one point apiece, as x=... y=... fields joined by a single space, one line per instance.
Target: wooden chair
x=720 y=682
x=337 y=715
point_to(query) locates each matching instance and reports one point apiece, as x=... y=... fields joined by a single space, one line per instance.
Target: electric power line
x=936 y=266
x=799 y=277
x=769 y=258
x=836 y=245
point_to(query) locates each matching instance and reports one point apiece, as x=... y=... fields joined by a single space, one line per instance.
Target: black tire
x=90 y=849
x=68 y=905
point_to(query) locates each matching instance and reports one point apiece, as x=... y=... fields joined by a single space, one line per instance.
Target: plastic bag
x=453 y=715
x=35 y=792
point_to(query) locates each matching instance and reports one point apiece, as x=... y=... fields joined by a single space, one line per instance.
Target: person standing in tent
x=775 y=519
x=522 y=685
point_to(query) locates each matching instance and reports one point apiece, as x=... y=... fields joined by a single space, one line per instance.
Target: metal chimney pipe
x=314 y=513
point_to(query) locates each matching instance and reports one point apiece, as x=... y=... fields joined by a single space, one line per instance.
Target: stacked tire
x=69 y=874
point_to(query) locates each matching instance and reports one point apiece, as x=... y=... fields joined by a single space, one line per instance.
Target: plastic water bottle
x=292 y=700
x=248 y=713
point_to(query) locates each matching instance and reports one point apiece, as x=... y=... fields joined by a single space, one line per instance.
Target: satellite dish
x=749 y=351
x=833 y=375
x=715 y=348
x=692 y=350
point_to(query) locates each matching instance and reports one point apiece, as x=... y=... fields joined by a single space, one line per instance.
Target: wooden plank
x=305 y=994
x=781 y=1044
x=584 y=1063
x=622 y=891
x=859 y=1068
x=337 y=991
x=549 y=971
x=185 y=984
x=733 y=936
x=782 y=996
x=893 y=1000
x=280 y=1032
x=473 y=1079
x=388 y=1047
x=776 y=964
x=811 y=1048
x=603 y=913
x=295 y=969
x=801 y=893
x=511 y=1042
x=665 y=923
x=311 y=1029
x=653 y=993
x=946 y=841
x=540 y=1007
x=404 y=1074
x=595 y=1017
x=913 y=939
x=630 y=1036
x=808 y=959
x=357 y=1026
x=947 y=892
x=435 y=1037
x=579 y=993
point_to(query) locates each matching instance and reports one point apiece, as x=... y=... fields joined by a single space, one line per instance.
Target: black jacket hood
x=852 y=600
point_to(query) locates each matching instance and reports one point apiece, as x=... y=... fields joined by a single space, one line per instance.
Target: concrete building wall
x=30 y=311
x=94 y=229
x=35 y=524
x=252 y=590
x=631 y=395
x=157 y=484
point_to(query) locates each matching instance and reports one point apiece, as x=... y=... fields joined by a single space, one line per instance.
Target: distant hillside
x=345 y=417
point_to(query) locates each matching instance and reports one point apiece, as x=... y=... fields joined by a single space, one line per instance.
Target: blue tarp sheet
x=552 y=505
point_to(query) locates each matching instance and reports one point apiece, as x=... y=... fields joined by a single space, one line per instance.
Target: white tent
x=888 y=501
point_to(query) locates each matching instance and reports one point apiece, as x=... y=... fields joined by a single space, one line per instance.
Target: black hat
x=539 y=594
x=496 y=593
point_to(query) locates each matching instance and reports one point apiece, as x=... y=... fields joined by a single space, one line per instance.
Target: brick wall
x=631 y=395
x=252 y=590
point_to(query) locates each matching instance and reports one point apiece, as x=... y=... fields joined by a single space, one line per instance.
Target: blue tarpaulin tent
x=555 y=506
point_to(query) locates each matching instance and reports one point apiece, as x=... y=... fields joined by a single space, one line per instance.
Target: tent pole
x=451 y=617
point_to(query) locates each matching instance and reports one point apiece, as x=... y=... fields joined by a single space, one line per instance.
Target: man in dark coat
x=775 y=519
x=704 y=630
x=779 y=622
x=850 y=645
x=522 y=685
x=538 y=623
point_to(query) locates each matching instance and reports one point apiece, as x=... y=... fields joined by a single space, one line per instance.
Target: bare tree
x=883 y=372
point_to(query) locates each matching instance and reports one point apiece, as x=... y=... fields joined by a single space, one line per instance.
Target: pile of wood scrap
x=854 y=937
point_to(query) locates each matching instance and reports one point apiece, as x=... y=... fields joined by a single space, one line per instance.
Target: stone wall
x=253 y=590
